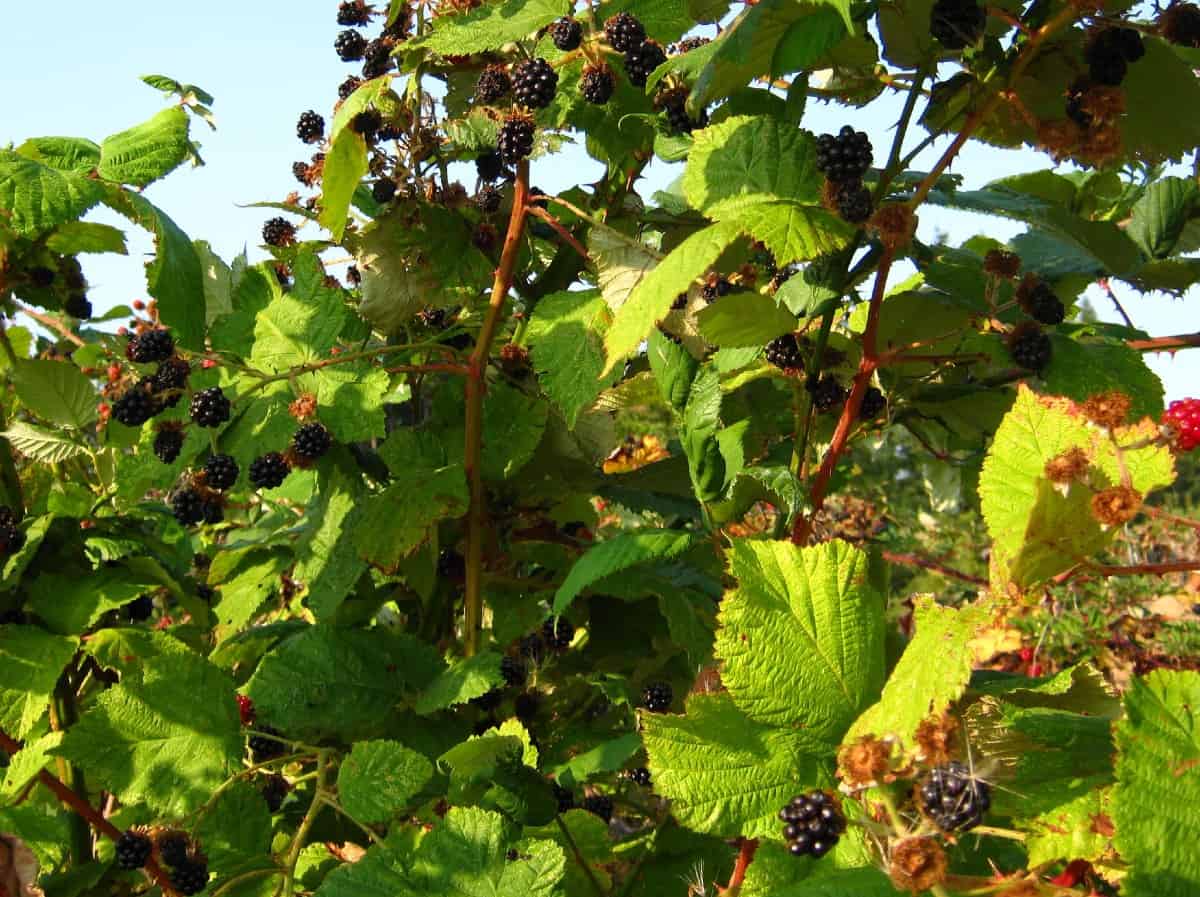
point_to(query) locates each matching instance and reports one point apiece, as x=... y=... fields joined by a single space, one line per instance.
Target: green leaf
x=1081 y=368
x=338 y=681
x=56 y=391
x=403 y=517
x=608 y=756
x=673 y=367
x=62 y=153
x=1071 y=831
x=237 y=829
x=70 y=604
x=41 y=444
x=617 y=554
x=622 y=263
x=32 y=661
x=566 y=338
x=745 y=319
x=801 y=638
x=651 y=299
x=168 y=737
x=864 y=881
x=36 y=198
x=464 y=679
x=148 y=151
x=27 y=763
x=328 y=561
x=932 y=673
x=246 y=588
x=345 y=166
x=379 y=778
x=491 y=26
x=1152 y=126
x=1161 y=214
x=726 y=774
x=795 y=232
x=513 y=423
x=1156 y=804
x=297 y=329
x=74 y=237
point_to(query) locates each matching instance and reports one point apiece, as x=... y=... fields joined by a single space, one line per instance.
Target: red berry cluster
x=1183 y=417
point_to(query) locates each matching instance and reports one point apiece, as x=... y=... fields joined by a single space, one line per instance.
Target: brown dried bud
x=1180 y=24
x=1067 y=467
x=1117 y=505
x=1060 y=137
x=918 y=864
x=1002 y=263
x=864 y=763
x=1108 y=409
x=937 y=739
x=895 y=224
x=829 y=195
x=303 y=407
x=485 y=237
x=1101 y=145
x=514 y=360
x=1103 y=103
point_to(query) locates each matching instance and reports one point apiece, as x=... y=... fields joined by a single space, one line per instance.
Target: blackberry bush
x=210 y=407
x=813 y=823
x=954 y=798
x=534 y=82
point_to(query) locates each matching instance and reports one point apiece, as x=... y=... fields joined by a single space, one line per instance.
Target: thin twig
x=1165 y=343
x=539 y=212
x=289 y=878
x=913 y=560
x=1107 y=287
x=53 y=323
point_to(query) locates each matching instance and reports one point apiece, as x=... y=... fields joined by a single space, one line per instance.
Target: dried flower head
x=1002 y=263
x=1101 y=145
x=1067 y=467
x=303 y=407
x=864 y=763
x=937 y=738
x=1116 y=505
x=895 y=224
x=918 y=864
x=1060 y=137
x=1108 y=409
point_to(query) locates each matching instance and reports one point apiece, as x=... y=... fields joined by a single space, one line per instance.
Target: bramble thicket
x=737 y=538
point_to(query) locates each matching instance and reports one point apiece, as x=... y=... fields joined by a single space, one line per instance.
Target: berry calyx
x=1029 y=347
x=269 y=470
x=515 y=140
x=310 y=127
x=312 y=441
x=1182 y=418
x=133 y=849
x=813 y=823
x=220 y=472
x=493 y=85
x=642 y=60
x=149 y=346
x=844 y=157
x=957 y=23
x=784 y=353
x=954 y=798
x=624 y=32
x=210 y=407
x=350 y=45
x=597 y=84
x=657 y=697
x=534 y=82
x=567 y=34
x=167 y=444
x=279 y=232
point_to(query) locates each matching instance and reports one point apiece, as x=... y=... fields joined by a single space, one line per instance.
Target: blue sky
x=77 y=73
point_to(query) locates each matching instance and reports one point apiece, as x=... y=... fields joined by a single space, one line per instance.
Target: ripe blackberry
x=220 y=472
x=354 y=13
x=11 y=537
x=187 y=506
x=599 y=804
x=784 y=352
x=1183 y=418
x=173 y=848
x=623 y=32
x=1040 y=302
x=1129 y=40
x=1106 y=59
x=135 y=407
x=515 y=140
x=484 y=237
x=78 y=306
x=171 y=375
x=827 y=394
x=567 y=34
x=674 y=105
x=641 y=776
x=564 y=796
x=487 y=200
x=312 y=441
x=300 y=172
x=558 y=633
x=525 y=706
x=263 y=747
x=150 y=345
x=133 y=849
x=688 y=44
x=350 y=45
x=274 y=790
x=1029 y=346
x=451 y=564
x=167 y=444
x=513 y=671
x=348 y=87
x=489 y=166
x=382 y=191
x=190 y=877
x=642 y=60
x=311 y=127
x=377 y=58
x=8 y=517
x=209 y=407
x=278 y=232
x=597 y=84
x=853 y=202
x=367 y=123
x=813 y=823
x=953 y=798
x=657 y=697
x=269 y=470
x=957 y=23
x=1180 y=24
x=873 y=404
x=40 y=277
x=493 y=85
x=532 y=647
x=844 y=158
x=139 y=609
x=714 y=288
x=534 y=82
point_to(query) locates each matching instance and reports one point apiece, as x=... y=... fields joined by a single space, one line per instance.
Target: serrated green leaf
x=622 y=263
x=74 y=237
x=62 y=153
x=296 y=329
x=328 y=563
x=37 y=198
x=27 y=763
x=1074 y=830
x=32 y=660
x=795 y=232
x=566 y=338
x=246 y=589
x=70 y=604
x=378 y=779
x=617 y=554
x=608 y=756
x=1161 y=214
x=1082 y=368
x=745 y=319
x=236 y=830
x=345 y=165
x=801 y=638
x=401 y=518
x=41 y=444
x=491 y=26
x=673 y=367
x=56 y=391
x=1152 y=127
x=464 y=679
x=146 y=152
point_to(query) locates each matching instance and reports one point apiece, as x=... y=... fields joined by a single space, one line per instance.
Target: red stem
x=912 y=560
x=745 y=858
x=539 y=212
x=1165 y=343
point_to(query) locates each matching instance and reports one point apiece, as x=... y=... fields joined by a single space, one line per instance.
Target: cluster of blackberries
x=192 y=505
x=188 y=867
x=957 y=23
x=1029 y=346
x=954 y=798
x=11 y=537
x=813 y=823
x=161 y=390
x=827 y=393
x=657 y=697
x=376 y=54
x=1110 y=52
x=784 y=352
x=640 y=775
x=844 y=158
x=673 y=103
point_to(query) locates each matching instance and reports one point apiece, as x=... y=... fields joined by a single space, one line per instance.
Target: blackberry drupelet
x=564 y=796
x=348 y=87
x=187 y=506
x=377 y=58
x=873 y=404
x=220 y=472
x=784 y=352
x=78 y=306
x=150 y=345
x=1029 y=347
x=853 y=202
x=844 y=158
x=1182 y=418
x=567 y=34
x=558 y=633
x=957 y=23
x=263 y=747
x=312 y=441
x=954 y=798
x=135 y=407
x=674 y=105
x=813 y=823
x=487 y=200
x=1039 y=301
x=278 y=232
x=190 y=877
x=173 y=848
x=209 y=407
x=489 y=166
x=641 y=776
x=354 y=13
x=350 y=45
x=534 y=82
x=274 y=790
x=269 y=470
x=133 y=849
x=311 y=127
x=657 y=697
x=383 y=191
x=623 y=32
x=642 y=60
x=513 y=671
x=493 y=85
x=827 y=394
x=597 y=84
x=167 y=444
x=367 y=123
x=515 y=141
x=599 y=804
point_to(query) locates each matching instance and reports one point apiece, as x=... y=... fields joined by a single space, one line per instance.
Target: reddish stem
x=912 y=560
x=1135 y=569
x=745 y=857
x=1165 y=343
x=539 y=212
